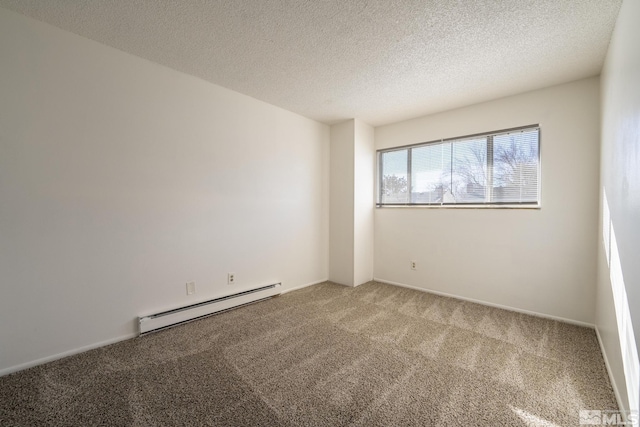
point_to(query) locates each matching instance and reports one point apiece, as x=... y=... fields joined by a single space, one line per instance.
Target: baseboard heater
x=188 y=313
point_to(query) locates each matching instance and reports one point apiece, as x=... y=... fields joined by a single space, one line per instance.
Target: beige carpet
x=327 y=355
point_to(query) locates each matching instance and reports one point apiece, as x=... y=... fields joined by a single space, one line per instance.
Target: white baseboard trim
x=286 y=291
x=490 y=304
x=27 y=365
x=609 y=371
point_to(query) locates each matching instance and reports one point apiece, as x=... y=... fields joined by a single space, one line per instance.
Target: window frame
x=461 y=205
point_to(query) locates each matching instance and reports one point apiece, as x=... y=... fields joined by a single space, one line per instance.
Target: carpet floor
x=327 y=355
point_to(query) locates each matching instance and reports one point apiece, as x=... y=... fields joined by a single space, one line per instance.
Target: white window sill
x=530 y=207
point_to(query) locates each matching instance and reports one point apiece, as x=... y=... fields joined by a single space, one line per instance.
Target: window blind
x=494 y=168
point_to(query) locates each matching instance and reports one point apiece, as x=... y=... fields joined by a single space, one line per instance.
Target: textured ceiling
x=379 y=61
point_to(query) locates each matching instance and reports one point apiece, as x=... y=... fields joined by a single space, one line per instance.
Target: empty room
x=319 y=213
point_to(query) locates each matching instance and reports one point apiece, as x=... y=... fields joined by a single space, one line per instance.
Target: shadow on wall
x=628 y=347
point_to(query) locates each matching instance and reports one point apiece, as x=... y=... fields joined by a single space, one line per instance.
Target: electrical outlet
x=191 y=288
x=231 y=278
x=413 y=265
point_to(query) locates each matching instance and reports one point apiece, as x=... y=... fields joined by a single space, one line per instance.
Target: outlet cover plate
x=191 y=288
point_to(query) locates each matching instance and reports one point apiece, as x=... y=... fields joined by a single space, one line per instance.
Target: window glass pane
x=490 y=168
x=393 y=185
x=469 y=170
x=515 y=167
x=429 y=166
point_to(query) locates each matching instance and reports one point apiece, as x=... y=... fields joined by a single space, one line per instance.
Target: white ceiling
x=379 y=61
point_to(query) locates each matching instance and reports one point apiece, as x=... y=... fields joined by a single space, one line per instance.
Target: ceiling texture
x=379 y=61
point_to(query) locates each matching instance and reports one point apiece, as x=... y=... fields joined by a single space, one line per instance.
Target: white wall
x=620 y=180
x=121 y=180
x=364 y=202
x=537 y=260
x=341 y=203
x=352 y=203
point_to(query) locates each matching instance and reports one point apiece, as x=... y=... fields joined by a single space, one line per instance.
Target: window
x=498 y=168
